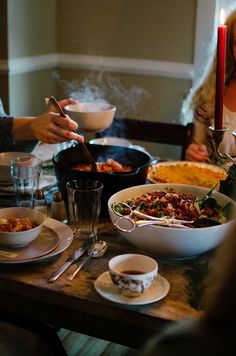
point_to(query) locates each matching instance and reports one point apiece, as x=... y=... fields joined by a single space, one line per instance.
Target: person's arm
x=201 y=123
x=49 y=127
x=197 y=150
x=6 y=133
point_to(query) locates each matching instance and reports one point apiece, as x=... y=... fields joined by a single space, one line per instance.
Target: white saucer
x=108 y=290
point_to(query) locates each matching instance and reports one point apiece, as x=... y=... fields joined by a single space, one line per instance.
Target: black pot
x=65 y=160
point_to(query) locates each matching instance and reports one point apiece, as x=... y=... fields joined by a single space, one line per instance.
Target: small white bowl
x=91 y=117
x=21 y=238
x=133 y=274
x=5 y=158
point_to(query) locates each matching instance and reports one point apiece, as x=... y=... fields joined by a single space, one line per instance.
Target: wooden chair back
x=151 y=131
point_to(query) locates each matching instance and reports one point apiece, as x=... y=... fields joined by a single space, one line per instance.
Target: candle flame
x=222 y=16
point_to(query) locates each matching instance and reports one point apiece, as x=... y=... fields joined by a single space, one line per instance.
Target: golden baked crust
x=201 y=174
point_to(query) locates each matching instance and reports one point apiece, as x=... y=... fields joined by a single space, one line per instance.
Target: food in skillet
x=12 y=224
x=170 y=204
x=201 y=174
x=110 y=165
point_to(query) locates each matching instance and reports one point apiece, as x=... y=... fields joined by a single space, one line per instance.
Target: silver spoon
x=97 y=249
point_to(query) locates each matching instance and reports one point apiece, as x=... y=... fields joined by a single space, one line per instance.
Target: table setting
x=128 y=257
x=70 y=264
x=68 y=176
x=74 y=239
x=41 y=243
x=91 y=295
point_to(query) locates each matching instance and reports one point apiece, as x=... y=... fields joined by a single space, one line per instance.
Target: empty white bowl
x=18 y=239
x=133 y=274
x=91 y=117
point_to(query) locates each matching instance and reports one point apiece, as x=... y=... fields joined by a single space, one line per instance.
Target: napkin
x=45 y=151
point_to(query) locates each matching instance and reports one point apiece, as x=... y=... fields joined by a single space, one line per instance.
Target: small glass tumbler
x=25 y=172
x=84 y=205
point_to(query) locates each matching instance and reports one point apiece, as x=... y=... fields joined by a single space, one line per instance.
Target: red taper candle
x=220 y=73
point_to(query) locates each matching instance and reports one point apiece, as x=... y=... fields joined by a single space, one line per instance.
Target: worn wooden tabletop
x=76 y=305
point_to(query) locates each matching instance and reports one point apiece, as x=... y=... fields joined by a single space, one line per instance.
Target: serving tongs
x=126 y=223
x=87 y=153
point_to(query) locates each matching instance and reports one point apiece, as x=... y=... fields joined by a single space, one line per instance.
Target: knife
x=74 y=256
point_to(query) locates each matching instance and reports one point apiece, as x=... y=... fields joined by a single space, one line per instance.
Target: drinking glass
x=84 y=204
x=25 y=172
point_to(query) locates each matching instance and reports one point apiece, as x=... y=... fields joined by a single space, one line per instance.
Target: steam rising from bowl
x=91 y=117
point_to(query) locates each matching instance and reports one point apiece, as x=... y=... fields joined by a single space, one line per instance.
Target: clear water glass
x=84 y=204
x=25 y=172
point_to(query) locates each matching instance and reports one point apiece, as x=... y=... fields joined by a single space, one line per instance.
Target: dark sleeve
x=6 y=141
x=5 y=133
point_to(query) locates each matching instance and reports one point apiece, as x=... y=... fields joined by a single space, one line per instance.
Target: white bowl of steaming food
x=172 y=242
x=91 y=117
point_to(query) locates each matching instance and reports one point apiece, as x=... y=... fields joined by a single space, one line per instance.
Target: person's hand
x=196 y=152
x=53 y=128
x=49 y=127
x=62 y=103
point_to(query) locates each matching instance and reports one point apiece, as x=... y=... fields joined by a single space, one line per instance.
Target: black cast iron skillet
x=65 y=160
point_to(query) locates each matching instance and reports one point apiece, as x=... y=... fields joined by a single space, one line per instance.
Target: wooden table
x=77 y=306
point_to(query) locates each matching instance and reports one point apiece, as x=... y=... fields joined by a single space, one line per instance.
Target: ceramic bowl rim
x=134 y=276
x=26 y=232
x=109 y=108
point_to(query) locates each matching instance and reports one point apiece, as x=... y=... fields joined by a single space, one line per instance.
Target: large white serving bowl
x=5 y=158
x=169 y=242
x=91 y=117
x=21 y=238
